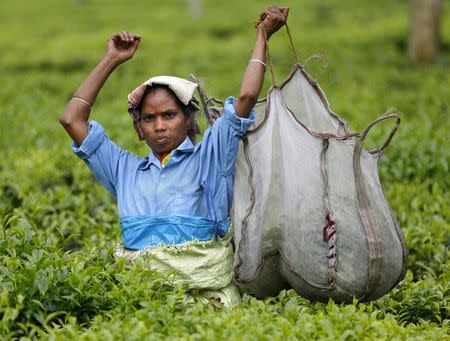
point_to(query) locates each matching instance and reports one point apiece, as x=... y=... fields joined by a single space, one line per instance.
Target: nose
x=159 y=124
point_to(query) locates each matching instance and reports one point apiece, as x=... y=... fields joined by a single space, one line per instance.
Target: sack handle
x=269 y=56
x=365 y=207
x=211 y=112
x=390 y=114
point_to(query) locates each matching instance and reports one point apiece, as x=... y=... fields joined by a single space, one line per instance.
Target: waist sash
x=139 y=232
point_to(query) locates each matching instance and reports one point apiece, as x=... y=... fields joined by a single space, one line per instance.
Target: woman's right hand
x=122 y=46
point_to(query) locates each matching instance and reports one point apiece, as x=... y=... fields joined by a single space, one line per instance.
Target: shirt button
x=162 y=176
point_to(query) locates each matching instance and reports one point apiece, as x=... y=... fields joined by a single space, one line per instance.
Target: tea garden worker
x=173 y=204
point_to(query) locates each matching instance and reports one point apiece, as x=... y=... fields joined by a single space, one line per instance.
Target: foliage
x=58 y=275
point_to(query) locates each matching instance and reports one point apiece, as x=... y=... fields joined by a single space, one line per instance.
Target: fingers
x=272 y=19
x=122 y=46
x=135 y=44
x=278 y=13
x=285 y=11
x=274 y=14
x=126 y=38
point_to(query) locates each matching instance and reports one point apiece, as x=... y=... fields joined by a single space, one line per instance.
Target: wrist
x=261 y=31
x=111 y=61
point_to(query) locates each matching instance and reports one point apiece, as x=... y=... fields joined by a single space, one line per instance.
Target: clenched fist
x=122 y=46
x=272 y=19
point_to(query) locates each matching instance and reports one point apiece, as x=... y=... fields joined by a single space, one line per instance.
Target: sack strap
x=365 y=208
x=211 y=113
x=269 y=56
x=297 y=59
x=390 y=114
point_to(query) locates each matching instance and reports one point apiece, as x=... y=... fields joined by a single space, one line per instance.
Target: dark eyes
x=148 y=118
x=166 y=116
x=169 y=114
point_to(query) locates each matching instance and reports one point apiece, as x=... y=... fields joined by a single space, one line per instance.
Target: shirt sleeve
x=101 y=155
x=219 y=148
x=240 y=125
x=221 y=141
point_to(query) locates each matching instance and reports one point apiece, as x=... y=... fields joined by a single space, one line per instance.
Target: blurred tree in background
x=424 y=39
x=195 y=7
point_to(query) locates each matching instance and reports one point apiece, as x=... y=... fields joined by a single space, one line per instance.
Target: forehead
x=159 y=99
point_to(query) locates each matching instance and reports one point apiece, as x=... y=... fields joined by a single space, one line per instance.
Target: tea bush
x=59 y=278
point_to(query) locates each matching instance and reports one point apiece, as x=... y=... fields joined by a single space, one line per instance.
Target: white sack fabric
x=308 y=211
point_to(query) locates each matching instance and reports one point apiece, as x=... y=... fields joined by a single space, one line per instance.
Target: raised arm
x=271 y=20
x=121 y=47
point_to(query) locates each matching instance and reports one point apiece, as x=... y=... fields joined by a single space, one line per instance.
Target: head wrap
x=182 y=89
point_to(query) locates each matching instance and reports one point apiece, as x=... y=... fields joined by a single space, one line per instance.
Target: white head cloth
x=182 y=88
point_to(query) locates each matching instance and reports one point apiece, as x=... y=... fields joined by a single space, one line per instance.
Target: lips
x=161 y=139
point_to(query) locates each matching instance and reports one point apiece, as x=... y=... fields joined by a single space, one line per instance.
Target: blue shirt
x=197 y=181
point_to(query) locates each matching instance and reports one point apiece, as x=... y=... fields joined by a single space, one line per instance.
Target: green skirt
x=205 y=268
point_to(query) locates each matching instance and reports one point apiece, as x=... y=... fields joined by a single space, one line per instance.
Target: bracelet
x=82 y=100
x=258 y=61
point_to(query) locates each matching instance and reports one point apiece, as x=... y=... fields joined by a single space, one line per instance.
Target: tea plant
x=58 y=274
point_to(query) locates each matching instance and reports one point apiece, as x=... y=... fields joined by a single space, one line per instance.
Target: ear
x=138 y=129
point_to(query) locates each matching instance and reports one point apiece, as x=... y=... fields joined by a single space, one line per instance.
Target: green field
x=58 y=276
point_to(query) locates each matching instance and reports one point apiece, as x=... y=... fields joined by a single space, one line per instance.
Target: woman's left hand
x=272 y=19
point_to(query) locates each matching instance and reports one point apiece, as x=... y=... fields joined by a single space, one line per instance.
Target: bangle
x=258 y=61
x=82 y=100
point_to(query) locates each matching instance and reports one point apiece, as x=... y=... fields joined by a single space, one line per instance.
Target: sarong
x=205 y=268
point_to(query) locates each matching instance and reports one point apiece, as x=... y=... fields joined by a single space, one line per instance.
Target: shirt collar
x=185 y=147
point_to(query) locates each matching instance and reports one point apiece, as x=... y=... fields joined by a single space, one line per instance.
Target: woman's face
x=163 y=123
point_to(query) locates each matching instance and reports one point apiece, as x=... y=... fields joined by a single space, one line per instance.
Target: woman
x=174 y=204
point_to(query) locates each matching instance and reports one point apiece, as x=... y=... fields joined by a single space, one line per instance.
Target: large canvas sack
x=309 y=212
